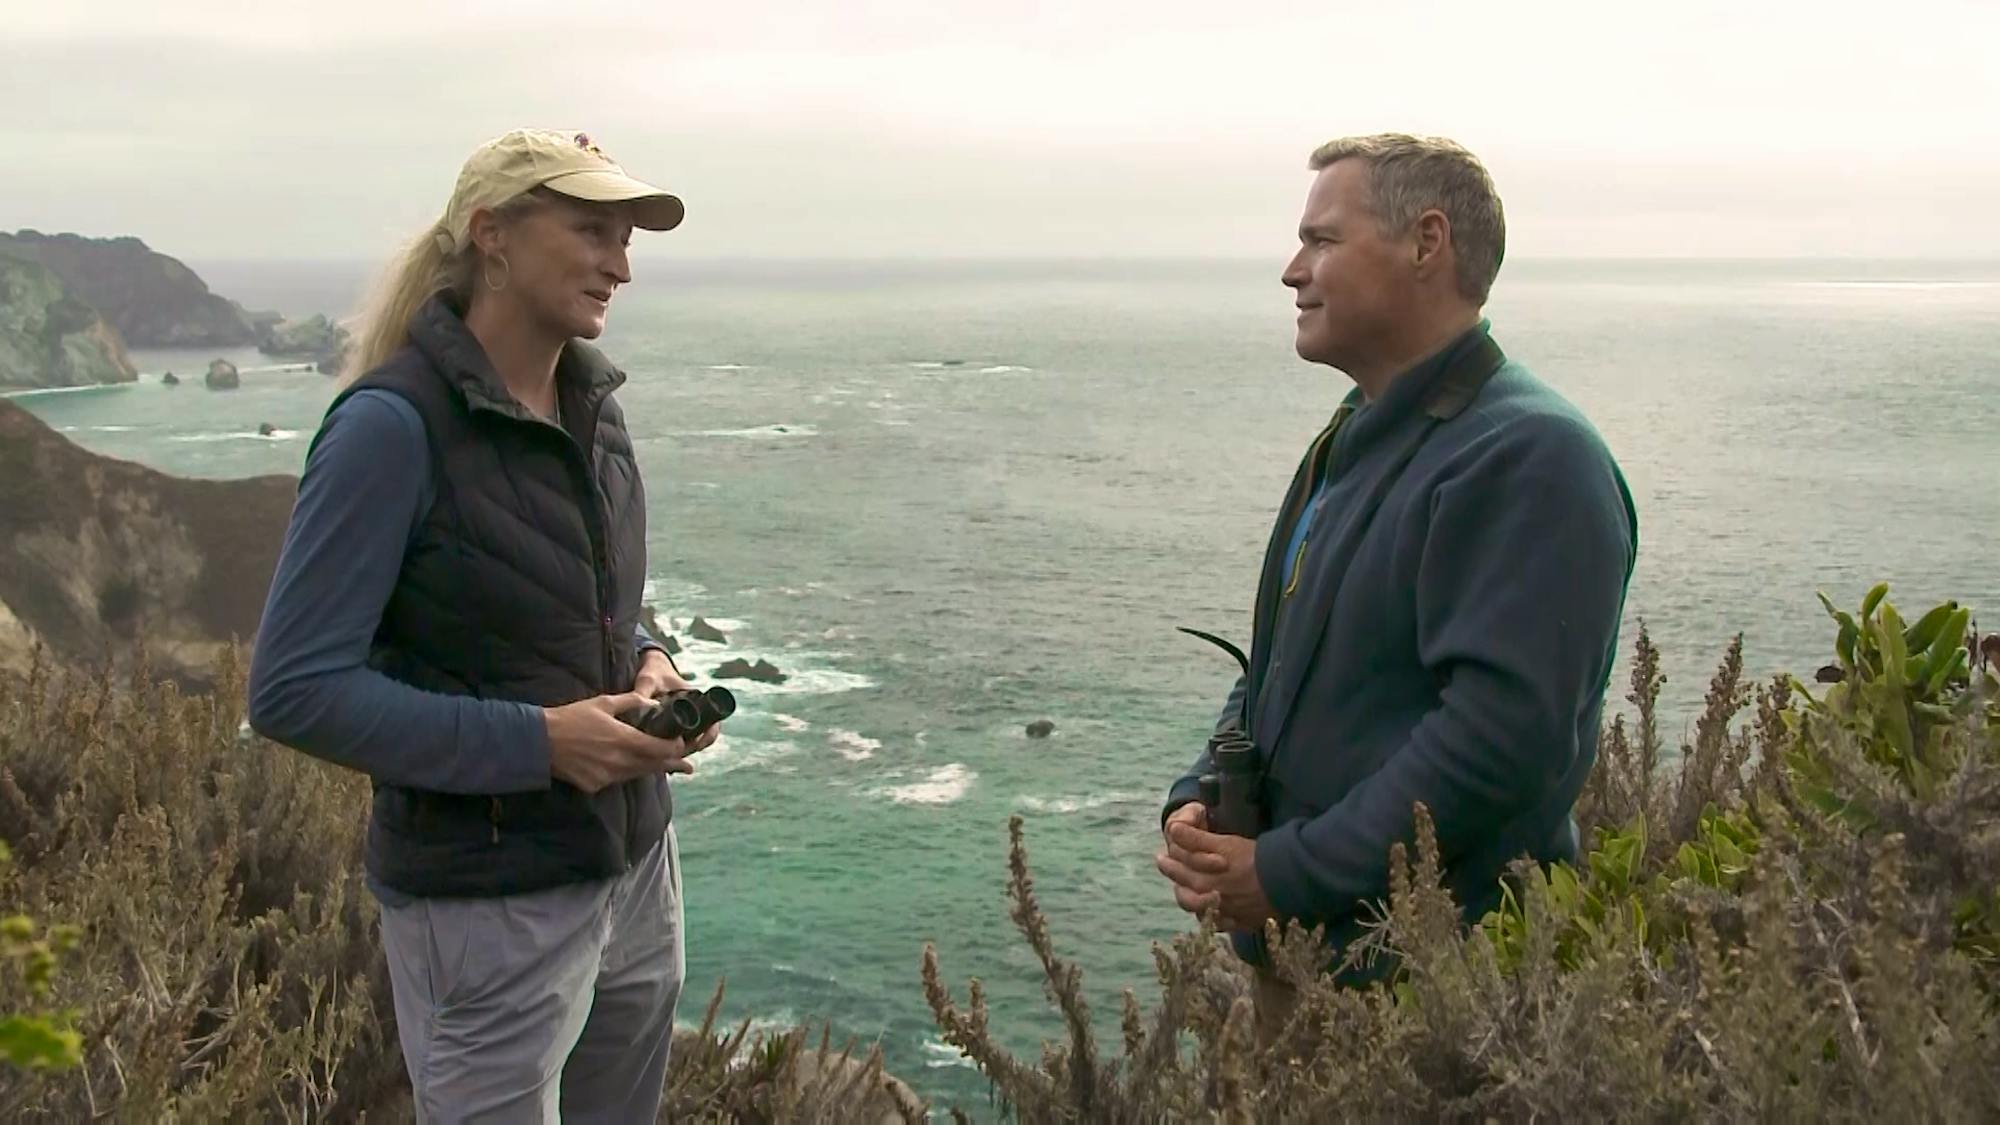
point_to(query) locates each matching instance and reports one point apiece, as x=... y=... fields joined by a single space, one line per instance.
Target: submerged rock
x=169 y=379
x=1041 y=728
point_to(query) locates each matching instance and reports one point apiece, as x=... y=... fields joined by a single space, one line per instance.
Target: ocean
x=953 y=498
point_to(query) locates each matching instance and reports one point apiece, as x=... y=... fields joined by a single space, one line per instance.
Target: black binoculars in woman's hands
x=683 y=714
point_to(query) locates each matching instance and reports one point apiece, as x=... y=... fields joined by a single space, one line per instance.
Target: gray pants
x=511 y=1007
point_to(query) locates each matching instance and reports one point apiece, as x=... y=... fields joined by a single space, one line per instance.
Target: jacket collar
x=1431 y=387
x=584 y=376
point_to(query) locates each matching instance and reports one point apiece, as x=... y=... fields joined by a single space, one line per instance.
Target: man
x=1438 y=611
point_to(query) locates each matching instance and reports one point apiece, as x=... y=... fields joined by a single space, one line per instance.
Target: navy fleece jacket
x=1451 y=646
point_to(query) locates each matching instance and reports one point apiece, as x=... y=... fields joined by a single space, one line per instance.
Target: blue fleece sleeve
x=1520 y=588
x=643 y=640
x=364 y=490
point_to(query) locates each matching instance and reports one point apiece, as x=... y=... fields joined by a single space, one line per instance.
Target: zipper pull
x=493 y=814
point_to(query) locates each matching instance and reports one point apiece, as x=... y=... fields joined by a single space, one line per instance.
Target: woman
x=455 y=613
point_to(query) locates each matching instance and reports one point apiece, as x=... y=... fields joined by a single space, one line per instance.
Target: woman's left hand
x=657 y=679
x=657 y=676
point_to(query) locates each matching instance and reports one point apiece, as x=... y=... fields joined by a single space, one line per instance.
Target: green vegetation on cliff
x=1798 y=920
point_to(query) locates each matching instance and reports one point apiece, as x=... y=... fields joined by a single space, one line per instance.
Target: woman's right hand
x=591 y=748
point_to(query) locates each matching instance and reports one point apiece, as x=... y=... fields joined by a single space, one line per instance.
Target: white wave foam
x=773 y=432
x=1060 y=805
x=93 y=388
x=778 y=1023
x=1003 y=369
x=944 y=1054
x=252 y=435
x=852 y=746
x=790 y=724
x=97 y=429
x=729 y=625
x=944 y=786
x=812 y=681
x=729 y=367
x=668 y=595
x=728 y=754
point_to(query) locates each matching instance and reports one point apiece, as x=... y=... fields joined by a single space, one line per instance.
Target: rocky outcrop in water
x=701 y=630
x=50 y=338
x=222 y=376
x=314 y=338
x=151 y=299
x=98 y=556
x=763 y=671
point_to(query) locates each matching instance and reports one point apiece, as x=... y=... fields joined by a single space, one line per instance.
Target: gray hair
x=1410 y=175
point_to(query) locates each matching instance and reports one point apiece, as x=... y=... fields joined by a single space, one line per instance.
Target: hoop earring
x=506 y=273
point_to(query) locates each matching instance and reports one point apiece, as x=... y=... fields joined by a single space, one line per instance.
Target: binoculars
x=1229 y=790
x=683 y=714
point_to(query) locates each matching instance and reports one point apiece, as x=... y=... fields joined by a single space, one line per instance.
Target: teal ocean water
x=950 y=499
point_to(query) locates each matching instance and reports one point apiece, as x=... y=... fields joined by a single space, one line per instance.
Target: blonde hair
x=425 y=268
x=1410 y=175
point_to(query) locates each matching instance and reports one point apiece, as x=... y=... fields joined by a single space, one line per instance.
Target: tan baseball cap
x=568 y=163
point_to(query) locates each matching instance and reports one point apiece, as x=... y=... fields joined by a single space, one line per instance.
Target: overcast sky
x=952 y=128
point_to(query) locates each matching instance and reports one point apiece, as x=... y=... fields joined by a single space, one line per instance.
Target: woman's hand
x=590 y=747
x=657 y=676
x=657 y=680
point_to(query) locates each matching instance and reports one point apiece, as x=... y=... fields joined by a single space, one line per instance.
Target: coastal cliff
x=154 y=301
x=99 y=556
x=51 y=338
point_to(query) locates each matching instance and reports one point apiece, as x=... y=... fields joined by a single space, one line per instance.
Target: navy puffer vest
x=523 y=583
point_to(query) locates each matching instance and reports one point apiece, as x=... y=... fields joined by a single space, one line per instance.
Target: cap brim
x=652 y=208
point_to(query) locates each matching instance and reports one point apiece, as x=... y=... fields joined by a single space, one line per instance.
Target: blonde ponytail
x=425 y=268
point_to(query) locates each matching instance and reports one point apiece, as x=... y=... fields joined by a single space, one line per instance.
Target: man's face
x=1353 y=283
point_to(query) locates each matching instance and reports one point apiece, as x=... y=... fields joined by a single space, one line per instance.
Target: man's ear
x=1431 y=241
